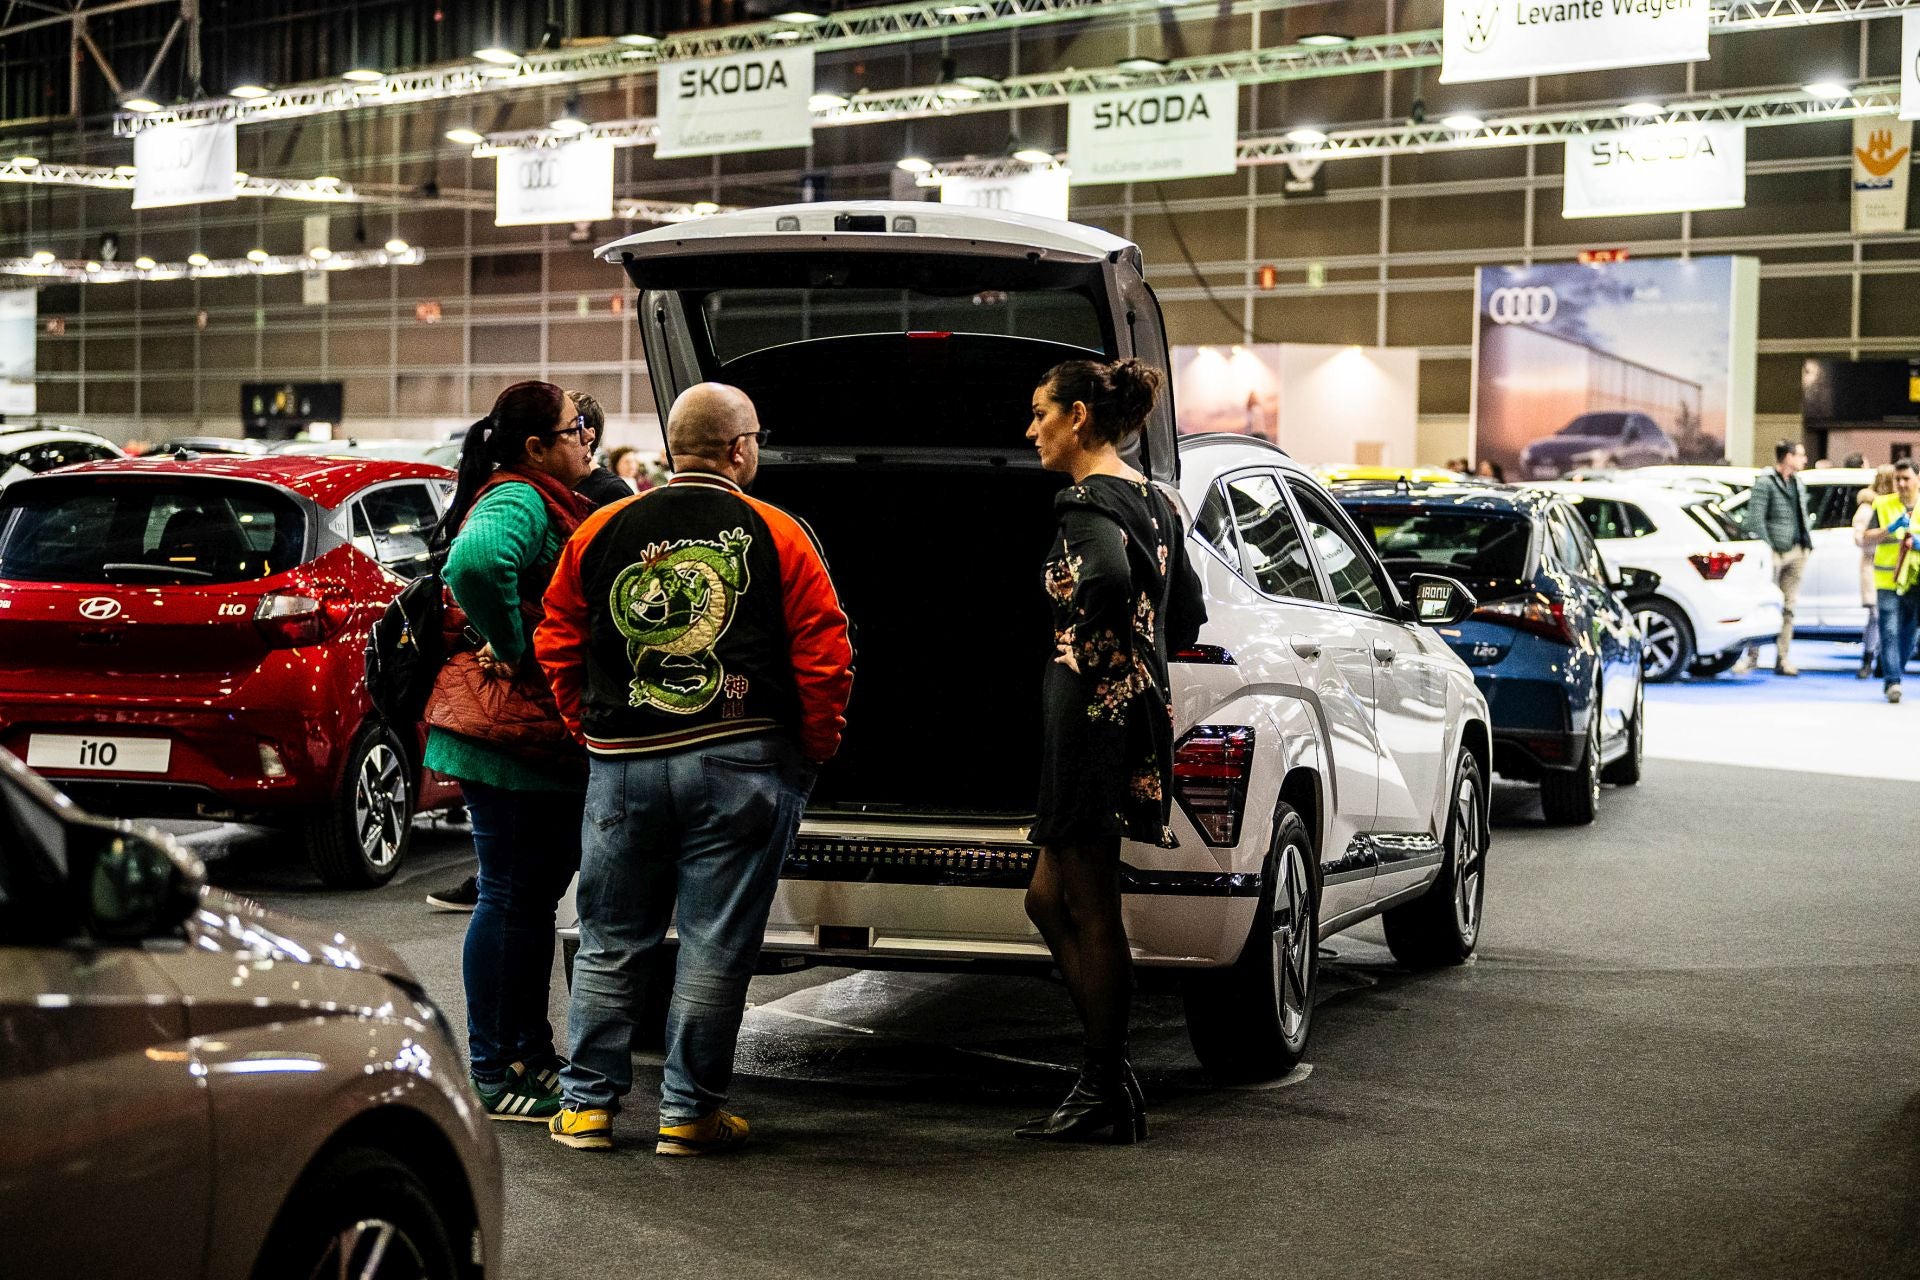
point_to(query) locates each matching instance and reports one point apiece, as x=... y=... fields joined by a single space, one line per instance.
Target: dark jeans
x=703 y=831
x=528 y=843
x=1899 y=629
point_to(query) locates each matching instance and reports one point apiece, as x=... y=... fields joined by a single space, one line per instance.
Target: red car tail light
x=1211 y=766
x=1713 y=565
x=290 y=619
x=1547 y=619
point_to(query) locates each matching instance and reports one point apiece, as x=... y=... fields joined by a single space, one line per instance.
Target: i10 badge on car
x=1331 y=752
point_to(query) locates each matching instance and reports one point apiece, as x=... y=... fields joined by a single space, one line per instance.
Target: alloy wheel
x=1293 y=943
x=370 y=1249
x=380 y=805
x=1661 y=643
x=1469 y=862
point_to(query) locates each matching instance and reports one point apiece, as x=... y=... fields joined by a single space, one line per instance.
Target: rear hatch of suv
x=891 y=351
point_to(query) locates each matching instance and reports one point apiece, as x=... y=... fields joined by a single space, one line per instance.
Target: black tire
x=1668 y=651
x=1715 y=664
x=360 y=840
x=656 y=993
x=1625 y=771
x=1251 y=1020
x=1442 y=926
x=1571 y=797
x=356 y=1201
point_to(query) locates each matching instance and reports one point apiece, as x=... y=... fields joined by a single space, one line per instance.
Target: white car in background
x=1829 y=603
x=29 y=451
x=1716 y=592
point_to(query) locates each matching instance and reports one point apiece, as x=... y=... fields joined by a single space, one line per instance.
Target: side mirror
x=1628 y=583
x=1440 y=602
x=134 y=887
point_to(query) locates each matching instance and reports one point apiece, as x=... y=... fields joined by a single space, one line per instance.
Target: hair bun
x=1135 y=385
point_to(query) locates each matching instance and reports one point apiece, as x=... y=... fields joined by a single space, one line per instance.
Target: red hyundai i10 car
x=185 y=637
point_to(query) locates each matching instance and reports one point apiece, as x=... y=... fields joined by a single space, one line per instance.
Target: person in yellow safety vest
x=1896 y=573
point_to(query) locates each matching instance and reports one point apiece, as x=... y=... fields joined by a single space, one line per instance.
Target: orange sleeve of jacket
x=560 y=641
x=817 y=635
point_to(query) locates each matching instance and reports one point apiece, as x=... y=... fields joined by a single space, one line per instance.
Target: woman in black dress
x=1123 y=595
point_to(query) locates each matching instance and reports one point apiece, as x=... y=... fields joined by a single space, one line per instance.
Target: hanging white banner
x=19 y=314
x=183 y=164
x=1882 y=155
x=1658 y=169
x=1508 y=39
x=1042 y=192
x=1910 y=66
x=569 y=183
x=748 y=102
x=1145 y=135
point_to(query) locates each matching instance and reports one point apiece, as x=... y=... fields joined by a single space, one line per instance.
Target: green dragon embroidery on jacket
x=673 y=605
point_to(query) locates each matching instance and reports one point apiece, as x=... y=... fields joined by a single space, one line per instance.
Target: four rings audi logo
x=99 y=608
x=1532 y=304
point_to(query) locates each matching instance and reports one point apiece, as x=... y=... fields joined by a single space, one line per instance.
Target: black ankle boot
x=1103 y=1100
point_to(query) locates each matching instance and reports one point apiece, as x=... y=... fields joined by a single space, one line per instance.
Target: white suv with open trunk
x=1333 y=753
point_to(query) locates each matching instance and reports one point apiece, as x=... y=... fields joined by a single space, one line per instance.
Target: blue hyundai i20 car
x=1552 y=644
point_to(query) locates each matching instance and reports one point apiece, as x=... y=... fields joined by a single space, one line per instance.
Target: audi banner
x=747 y=102
x=1150 y=135
x=1509 y=39
x=1042 y=192
x=177 y=164
x=1580 y=369
x=568 y=183
x=1668 y=168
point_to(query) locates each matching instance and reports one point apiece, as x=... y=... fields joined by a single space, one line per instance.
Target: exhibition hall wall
x=1323 y=404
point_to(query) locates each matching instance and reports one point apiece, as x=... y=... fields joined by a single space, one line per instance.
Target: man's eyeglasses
x=760 y=437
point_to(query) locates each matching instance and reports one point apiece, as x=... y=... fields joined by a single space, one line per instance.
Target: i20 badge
x=99 y=608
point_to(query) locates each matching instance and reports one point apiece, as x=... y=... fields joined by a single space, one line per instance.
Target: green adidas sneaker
x=523 y=1095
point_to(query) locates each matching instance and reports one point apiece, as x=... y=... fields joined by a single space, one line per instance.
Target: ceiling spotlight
x=1138 y=63
x=1033 y=155
x=568 y=125
x=982 y=83
x=248 y=91
x=326 y=180
x=956 y=93
x=124 y=170
x=825 y=102
x=1641 y=110
x=319 y=253
x=638 y=41
x=798 y=17
x=26 y=162
x=705 y=207
x=145 y=263
x=466 y=137
x=140 y=104
x=961 y=10
x=397 y=245
x=198 y=259
x=498 y=57
x=1325 y=39
x=1462 y=123
x=240 y=175
x=914 y=164
x=256 y=255
x=42 y=258
x=1307 y=137
x=364 y=75
x=783 y=37
x=93 y=266
x=1826 y=89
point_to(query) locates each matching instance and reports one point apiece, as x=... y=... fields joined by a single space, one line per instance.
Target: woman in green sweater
x=494 y=729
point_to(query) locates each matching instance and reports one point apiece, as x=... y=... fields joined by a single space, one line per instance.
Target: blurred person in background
x=1896 y=574
x=628 y=465
x=1778 y=515
x=1863 y=514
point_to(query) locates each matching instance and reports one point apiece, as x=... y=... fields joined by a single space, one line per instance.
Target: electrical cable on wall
x=1193 y=268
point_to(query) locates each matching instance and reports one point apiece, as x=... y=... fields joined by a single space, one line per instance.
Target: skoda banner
x=1043 y=192
x=569 y=183
x=183 y=164
x=1509 y=39
x=748 y=102
x=19 y=310
x=1667 y=168
x=1882 y=155
x=1146 y=135
x=1910 y=66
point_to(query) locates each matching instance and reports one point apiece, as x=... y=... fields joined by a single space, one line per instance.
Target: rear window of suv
x=148 y=532
x=742 y=321
x=1468 y=544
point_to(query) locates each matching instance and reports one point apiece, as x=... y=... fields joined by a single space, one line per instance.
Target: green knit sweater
x=506 y=535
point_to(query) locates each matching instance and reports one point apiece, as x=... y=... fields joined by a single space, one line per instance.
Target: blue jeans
x=528 y=843
x=1899 y=629
x=704 y=830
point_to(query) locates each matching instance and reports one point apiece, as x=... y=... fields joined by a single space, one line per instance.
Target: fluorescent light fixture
x=1461 y=122
x=798 y=17
x=124 y=170
x=198 y=259
x=466 y=137
x=397 y=245
x=705 y=207
x=364 y=75
x=1307 y=137
x=498 y=57
x=568 y=125
x=638 y=41
x=256 y=255
x=982 y=83
x=956 y=93
x=825 y=102
x=326 y=180
x=783 y=37
x=93 y=266
x=961 y=10
x=42 y=258
x=319 y=253
x=239 y=175
x=1139 y=63
x=914 y=164
x=1325 y=39
x=1641 y=110
x=142 y=105
x=248 y=91
x=26 y=162
x=145 y=263
x=1033 y=155
x=1828 y=90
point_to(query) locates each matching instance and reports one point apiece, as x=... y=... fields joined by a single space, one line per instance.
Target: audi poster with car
x=1623 y=364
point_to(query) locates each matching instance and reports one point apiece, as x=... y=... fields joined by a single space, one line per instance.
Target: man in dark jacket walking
x=1777 y=515
x=696 y=645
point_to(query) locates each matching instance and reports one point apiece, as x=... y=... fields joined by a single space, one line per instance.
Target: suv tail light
x=1211 y=766
x=1713 y=565
x=1547 y=619
x=290 y=619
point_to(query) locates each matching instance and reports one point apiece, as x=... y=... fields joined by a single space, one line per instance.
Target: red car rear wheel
x=360 y=839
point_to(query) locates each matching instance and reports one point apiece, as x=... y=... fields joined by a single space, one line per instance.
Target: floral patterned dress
x=1122 y=593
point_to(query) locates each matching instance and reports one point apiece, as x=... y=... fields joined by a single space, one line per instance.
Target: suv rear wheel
x=360 y=839
x=1571 y=797
x=1442 y=925
x=1250 y=1020
x=359 y=1213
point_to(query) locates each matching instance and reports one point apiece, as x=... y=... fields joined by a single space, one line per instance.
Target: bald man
x=697 y=647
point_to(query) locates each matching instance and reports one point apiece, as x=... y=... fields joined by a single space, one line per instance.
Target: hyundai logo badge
x=99 y=608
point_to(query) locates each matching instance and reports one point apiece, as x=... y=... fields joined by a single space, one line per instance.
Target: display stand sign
x=19 y=311
x=1509 y=39
x=1668 y=168
x=1147 y=135
x=1910 y=67
x=569 y=183
x=1882 y=156
x=1042 y=192
x=747 y=102
x=183 y=164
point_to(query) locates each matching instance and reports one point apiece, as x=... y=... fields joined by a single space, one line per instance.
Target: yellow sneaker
x=588 y=1130
x=709 y=1135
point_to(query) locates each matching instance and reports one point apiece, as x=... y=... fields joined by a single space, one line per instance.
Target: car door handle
x=1305 y=646
x=1383 y=652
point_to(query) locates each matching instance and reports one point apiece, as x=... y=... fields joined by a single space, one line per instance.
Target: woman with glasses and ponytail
x=493 y=727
